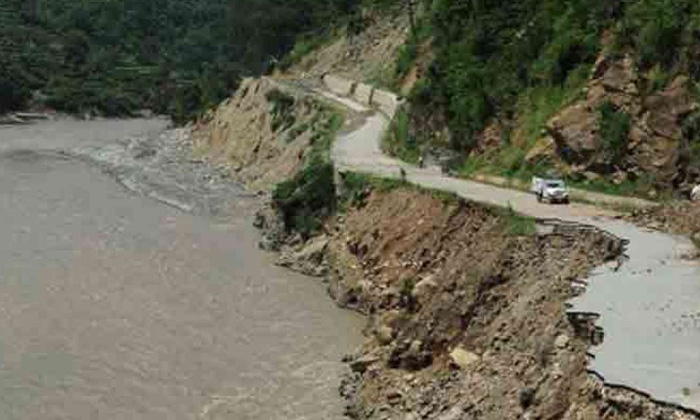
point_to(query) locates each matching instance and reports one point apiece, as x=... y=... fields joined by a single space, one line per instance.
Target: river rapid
x=131 y=287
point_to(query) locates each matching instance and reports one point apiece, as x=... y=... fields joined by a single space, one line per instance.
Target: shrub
x=307 y=198
x=399 y=141
x=282 y=109
x=614 y=125
x=406 y=58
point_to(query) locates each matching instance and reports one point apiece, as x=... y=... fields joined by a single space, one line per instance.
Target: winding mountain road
x=649 y=308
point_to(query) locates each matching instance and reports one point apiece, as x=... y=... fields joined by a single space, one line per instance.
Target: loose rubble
x=464 y=320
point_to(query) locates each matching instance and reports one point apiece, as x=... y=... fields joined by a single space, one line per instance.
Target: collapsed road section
x=648 y=307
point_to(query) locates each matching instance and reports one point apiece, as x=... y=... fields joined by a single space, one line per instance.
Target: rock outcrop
x=654 y=144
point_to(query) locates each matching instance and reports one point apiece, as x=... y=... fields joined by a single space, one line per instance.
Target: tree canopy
x=172 y=56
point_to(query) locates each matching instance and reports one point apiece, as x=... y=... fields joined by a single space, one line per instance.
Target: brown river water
x=115 y=305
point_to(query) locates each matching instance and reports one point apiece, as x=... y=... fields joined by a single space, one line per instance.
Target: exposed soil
x=682 y=217
x=368 y=55
x=262 y=134
x=466 y=320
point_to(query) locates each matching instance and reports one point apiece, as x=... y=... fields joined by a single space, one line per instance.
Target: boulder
x=424 y=288
x=463 y=358
x=544 y=149
x=361 y=364
x=385 y=334
x=309 y=260
x=562 y=341
x=575 y=133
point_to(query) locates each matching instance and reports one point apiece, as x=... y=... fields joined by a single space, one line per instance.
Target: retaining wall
x=386 y=102
x=363 y=94
x=338 y=85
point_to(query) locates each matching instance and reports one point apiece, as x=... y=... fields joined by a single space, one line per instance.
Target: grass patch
x=359 y=185
x=382 y=77
x=516 y=224
x=398 y=140
x=539 y=104
x=303 y=47
x=639 y=187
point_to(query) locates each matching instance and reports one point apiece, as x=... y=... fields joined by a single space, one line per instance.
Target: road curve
x=649 y=308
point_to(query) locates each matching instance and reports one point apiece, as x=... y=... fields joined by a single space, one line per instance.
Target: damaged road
x=648 y=307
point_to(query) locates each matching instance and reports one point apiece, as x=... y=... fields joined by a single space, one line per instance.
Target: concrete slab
x=363 y=94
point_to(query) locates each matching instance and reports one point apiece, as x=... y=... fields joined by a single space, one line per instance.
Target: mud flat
x=115 y=305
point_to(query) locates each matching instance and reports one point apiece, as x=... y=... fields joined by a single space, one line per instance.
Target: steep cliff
x=467 y=312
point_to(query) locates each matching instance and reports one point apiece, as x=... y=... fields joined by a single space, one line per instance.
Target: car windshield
x=555 y=184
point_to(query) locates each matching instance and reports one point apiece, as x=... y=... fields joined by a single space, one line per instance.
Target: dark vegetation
x=492 y=54
x=614 y=130
x=516 y=64
x=114 y=57
x=306 y=200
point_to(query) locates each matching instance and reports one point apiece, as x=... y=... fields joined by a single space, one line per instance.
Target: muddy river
x=117 y=305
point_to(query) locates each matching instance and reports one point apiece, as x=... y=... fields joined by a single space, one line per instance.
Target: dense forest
x=491 y=55
x=114 y=57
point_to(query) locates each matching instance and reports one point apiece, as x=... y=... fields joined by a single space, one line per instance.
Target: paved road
x=650 y=308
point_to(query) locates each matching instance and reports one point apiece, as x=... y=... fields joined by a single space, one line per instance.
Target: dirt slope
x=466 y=317
x=262 y=134
x=368 y=55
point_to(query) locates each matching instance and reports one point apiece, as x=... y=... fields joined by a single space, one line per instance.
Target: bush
x=406 y=58
x=398 y=140
x=282 y=109
x=307 y=199
x=653 y=27
x=614 y=128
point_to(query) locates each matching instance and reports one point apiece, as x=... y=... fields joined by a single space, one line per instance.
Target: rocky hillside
x=622 y=130
x=601 y=92
x=265 y=132
x=364 y=54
